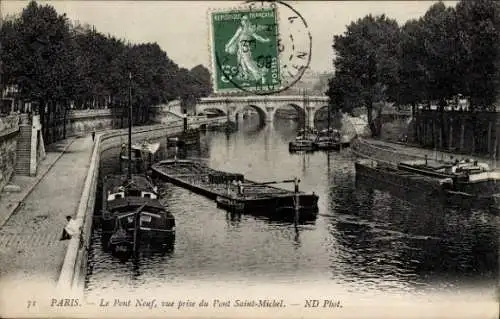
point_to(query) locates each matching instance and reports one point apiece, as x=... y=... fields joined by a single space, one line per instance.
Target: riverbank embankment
x=30 y=249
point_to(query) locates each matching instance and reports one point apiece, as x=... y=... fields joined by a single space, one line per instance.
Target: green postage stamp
x=245 y=50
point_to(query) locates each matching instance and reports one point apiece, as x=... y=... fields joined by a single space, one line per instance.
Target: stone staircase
x=23 y=162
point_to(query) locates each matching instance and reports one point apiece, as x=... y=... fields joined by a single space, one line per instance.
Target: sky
x=181 y=27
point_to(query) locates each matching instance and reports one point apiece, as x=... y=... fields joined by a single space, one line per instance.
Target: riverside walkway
x=31 y=222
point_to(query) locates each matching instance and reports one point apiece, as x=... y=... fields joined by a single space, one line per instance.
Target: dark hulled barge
x=120 y=187
x=143 y=220
x=132 y=212
x=235 y=193
x=466 y=184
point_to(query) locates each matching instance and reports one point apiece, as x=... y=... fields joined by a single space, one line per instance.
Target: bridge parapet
x=264 y=98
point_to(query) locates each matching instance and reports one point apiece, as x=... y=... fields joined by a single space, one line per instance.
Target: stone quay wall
x=83 y=122
x=74 y=268
x=9 y=129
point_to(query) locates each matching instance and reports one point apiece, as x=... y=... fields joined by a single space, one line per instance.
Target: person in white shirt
x=71 y=229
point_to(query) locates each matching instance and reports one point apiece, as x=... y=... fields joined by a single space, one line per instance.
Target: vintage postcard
x=249 y=159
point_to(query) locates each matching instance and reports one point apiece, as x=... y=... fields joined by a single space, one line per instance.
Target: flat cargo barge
x=233 y=192
x=480 y=190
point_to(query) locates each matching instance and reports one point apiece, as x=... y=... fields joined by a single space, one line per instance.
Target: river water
x=364 y=239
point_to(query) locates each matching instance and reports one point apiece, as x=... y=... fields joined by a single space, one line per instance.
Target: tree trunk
x=371 y=122
x=473 y=147
x=434 y=132
x=64 y=122
x=489 y=137
x=415 y=124
x=50 y=122
x=462 y=135
x=121 y=116
x=450 y=140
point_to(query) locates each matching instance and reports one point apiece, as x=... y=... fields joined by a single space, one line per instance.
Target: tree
x=56 y=64
x=366 y=65
x=438 y=40
x=202 y=80
x=478 y=38
x=38 y=60
x=413 y=69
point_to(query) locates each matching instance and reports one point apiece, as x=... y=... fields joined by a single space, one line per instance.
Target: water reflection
x=365 y=238
x=382 y=236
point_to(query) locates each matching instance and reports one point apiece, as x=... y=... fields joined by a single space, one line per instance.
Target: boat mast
x=329 y=118
x=296 y=182
x=305 y=111
x=129 y=173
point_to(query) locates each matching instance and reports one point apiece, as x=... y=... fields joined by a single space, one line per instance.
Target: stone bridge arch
x=301 y=114
x=238 y=112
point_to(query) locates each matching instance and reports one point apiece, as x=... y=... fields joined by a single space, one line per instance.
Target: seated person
x=71 y=229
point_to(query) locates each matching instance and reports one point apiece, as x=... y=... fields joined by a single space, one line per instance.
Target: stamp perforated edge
x=244 y=6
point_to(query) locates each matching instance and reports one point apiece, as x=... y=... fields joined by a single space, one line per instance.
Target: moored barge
x=123 y=186
x=143 y=155
x=304 y=142
x=328 y=139
x=132 y=212
x=140 y=220
x=234 y=193
x=468 y=184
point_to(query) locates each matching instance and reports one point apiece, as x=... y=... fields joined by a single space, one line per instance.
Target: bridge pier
x=231 y=113
x=270 y=110
x=310 y=113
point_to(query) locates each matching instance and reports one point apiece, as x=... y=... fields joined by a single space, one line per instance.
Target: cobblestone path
x=29 y=241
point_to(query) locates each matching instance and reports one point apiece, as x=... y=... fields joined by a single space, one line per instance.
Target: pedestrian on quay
x=240 y=187
x=93 y=135
x=71 y=229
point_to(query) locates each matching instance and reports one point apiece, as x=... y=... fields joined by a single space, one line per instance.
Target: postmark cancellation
x=258 y=49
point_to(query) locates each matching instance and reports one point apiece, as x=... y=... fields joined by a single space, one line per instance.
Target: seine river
x=364 y=239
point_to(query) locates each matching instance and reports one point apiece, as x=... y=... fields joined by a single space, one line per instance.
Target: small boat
x=233 y=192
x=144 y=154
x=306 y=136
x=189 y=136
x=328 y=139
x=302 y=144
x=305 y=142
